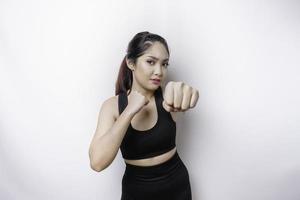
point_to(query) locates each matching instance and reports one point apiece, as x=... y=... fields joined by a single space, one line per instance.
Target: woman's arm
x=108 y=135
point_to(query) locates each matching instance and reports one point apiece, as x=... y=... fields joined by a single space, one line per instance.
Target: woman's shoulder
x=112 y=104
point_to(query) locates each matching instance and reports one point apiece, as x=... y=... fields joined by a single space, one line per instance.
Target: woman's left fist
x=179 y=96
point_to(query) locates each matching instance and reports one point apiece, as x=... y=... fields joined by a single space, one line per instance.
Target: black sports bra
x=157 y=140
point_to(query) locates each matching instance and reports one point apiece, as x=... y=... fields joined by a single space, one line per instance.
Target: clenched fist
x=179 y=96
x=136 y=101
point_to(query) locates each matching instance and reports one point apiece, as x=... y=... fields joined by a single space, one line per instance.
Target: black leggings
x=167 y=180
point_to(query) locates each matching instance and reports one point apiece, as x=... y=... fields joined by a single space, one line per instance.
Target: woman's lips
x=155 y=81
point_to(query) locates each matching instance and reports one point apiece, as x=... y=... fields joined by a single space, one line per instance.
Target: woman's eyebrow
x=157 y=58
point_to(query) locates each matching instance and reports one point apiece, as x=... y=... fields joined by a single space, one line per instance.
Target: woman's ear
x=129 y=64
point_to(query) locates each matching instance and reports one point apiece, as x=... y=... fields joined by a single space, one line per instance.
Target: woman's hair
x=136 y=47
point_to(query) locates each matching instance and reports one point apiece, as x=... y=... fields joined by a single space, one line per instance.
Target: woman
x=140 y=120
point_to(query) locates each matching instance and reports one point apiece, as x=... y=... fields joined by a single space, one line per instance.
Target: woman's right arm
x=108 y=135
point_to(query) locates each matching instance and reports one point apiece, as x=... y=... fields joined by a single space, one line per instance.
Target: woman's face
x=151 y=65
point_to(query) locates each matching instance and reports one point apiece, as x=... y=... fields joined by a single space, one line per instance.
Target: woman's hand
x=136 y=101
x=179 y=97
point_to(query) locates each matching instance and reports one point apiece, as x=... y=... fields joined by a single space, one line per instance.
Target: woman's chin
x=154 y=87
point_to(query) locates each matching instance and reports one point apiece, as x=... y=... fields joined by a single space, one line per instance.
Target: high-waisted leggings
x=165 y=181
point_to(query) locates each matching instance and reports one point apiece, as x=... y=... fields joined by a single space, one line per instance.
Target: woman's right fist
x=136 y=101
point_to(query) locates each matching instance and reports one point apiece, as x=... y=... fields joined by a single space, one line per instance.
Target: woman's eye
x=150 y=61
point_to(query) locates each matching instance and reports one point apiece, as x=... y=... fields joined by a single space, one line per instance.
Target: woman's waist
x=159 y=169
x=155 y=160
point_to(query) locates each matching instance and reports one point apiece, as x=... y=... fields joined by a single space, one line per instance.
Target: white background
x=59 y=61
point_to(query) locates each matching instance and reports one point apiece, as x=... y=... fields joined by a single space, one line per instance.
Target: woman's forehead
x=156 y=57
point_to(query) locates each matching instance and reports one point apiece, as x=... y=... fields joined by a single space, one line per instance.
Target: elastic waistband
x=167 y=165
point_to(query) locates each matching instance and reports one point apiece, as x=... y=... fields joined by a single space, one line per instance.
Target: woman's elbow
x=96 y=167
x=94 y=164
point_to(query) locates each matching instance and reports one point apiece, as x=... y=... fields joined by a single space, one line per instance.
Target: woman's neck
x=147 y=94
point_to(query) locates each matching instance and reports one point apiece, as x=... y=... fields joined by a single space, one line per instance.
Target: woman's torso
x=144 y=120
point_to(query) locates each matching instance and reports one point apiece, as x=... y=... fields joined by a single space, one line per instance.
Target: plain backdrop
x=59 y=61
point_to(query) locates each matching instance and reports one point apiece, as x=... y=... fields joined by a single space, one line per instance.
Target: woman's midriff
x=153 y=160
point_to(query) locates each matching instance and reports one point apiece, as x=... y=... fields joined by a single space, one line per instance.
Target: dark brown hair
x=136 y=47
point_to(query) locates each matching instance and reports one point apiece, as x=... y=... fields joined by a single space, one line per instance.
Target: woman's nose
x=158 y=70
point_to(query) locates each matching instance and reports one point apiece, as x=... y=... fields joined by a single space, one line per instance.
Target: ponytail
x=124 y=81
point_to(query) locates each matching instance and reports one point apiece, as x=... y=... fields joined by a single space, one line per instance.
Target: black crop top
x=157 y=140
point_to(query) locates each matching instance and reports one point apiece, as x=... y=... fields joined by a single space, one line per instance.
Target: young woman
x=140 y=120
